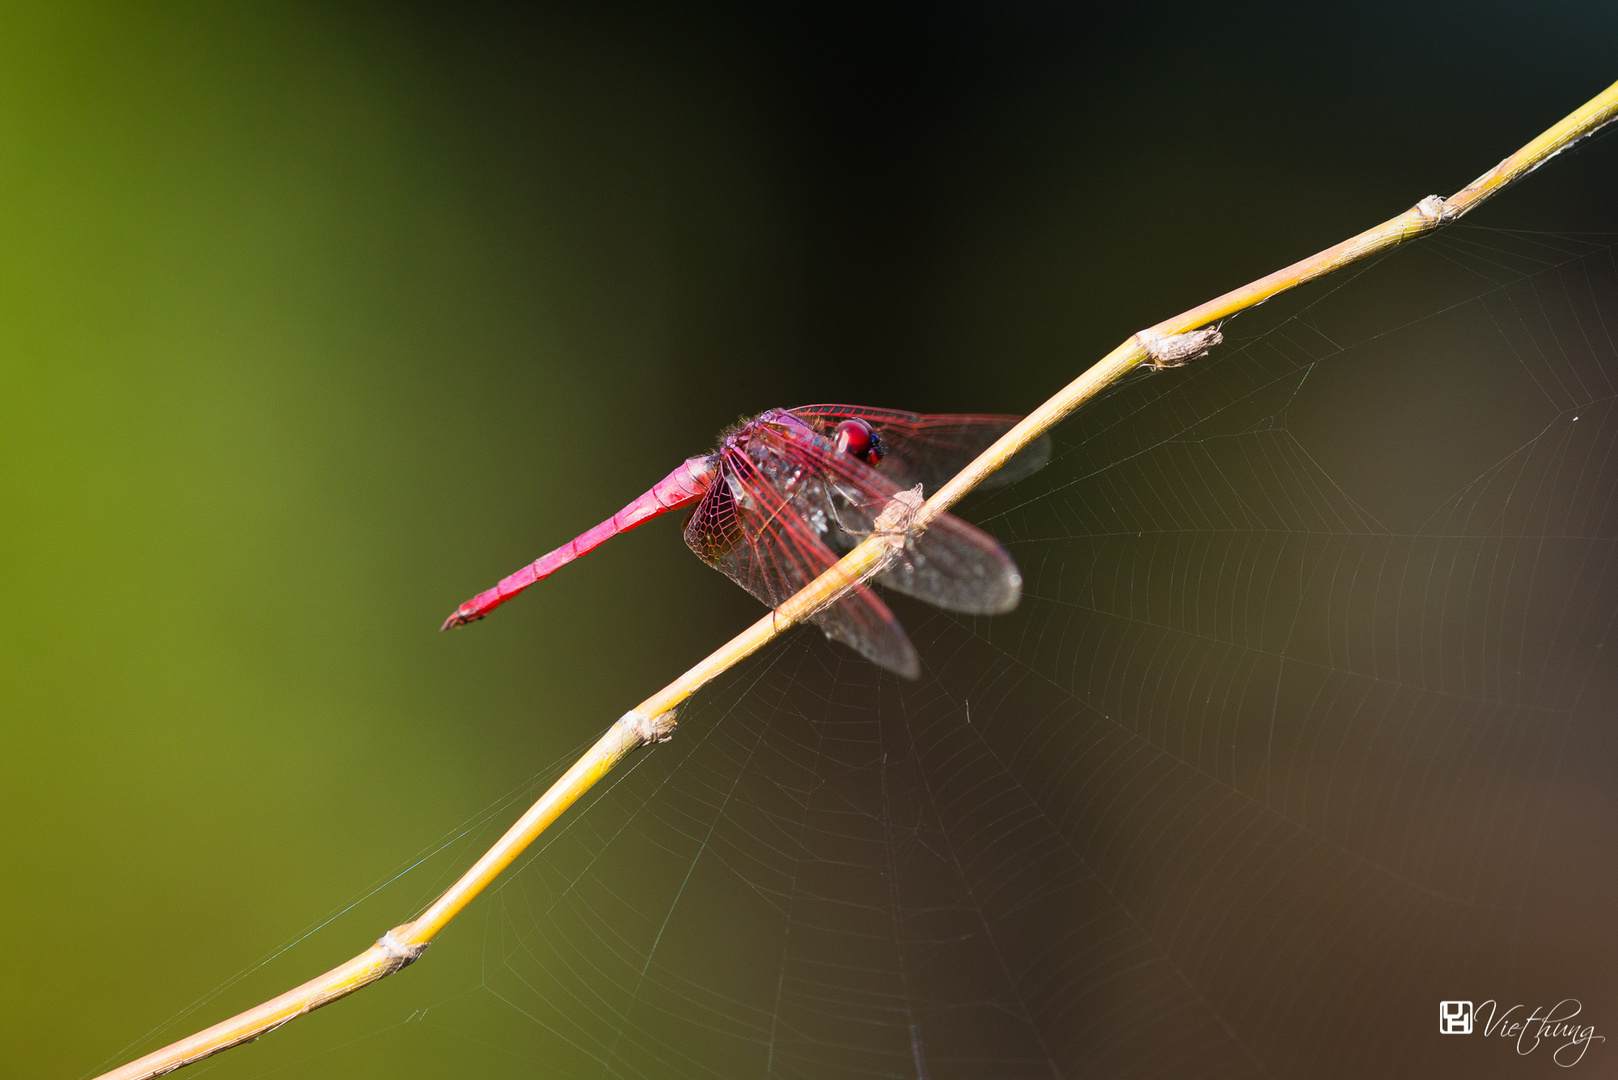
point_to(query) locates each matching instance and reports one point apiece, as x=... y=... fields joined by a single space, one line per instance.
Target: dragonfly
x=790 y=491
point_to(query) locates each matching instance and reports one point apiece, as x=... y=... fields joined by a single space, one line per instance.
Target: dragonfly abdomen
x=682 y=485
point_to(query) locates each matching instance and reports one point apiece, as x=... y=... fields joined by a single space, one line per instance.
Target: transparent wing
x=957 y=567
x=748 y=531
x=952 y=565
x=928 y=450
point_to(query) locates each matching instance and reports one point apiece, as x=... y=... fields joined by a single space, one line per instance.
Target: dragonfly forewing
x=929 y=450
x=950 y=564
x=748 y=531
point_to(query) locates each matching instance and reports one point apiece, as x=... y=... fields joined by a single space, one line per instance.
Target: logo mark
x=1455 y=1017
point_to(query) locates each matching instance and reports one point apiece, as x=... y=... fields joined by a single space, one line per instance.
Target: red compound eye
x=858 y=439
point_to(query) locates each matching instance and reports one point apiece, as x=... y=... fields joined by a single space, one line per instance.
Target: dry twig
x=1171 y=343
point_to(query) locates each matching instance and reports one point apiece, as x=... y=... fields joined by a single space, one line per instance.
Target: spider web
x=1256 y=774
x=1261 y=768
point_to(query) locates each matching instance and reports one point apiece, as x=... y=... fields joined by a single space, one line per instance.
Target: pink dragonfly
x=791 y=491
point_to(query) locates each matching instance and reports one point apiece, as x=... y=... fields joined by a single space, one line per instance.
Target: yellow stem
x=652 y=720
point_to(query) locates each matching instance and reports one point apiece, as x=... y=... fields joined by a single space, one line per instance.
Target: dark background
x=317 y=320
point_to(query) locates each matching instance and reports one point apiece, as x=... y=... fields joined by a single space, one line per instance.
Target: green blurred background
x=315 y=320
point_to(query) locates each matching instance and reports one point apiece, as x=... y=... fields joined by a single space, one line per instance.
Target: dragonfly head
x=858 y=439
